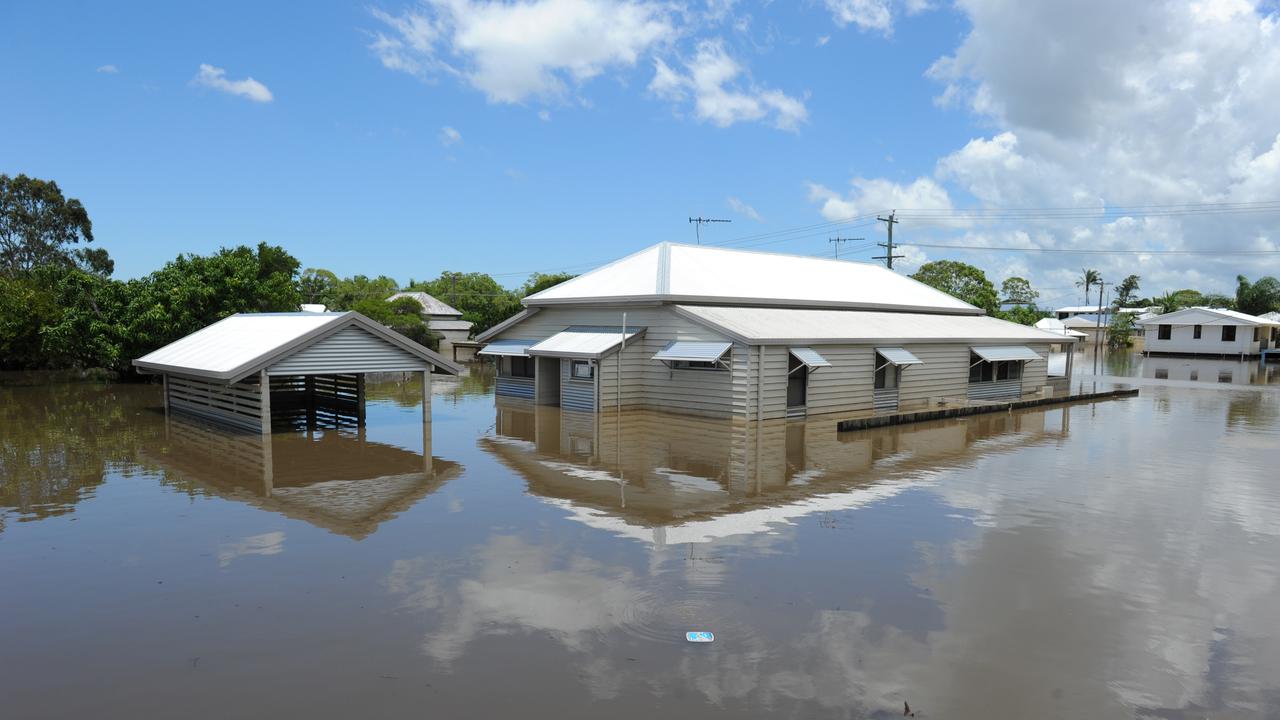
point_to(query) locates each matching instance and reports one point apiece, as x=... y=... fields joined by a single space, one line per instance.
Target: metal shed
x=248 y=368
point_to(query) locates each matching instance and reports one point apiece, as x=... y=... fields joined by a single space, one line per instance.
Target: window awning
x=899 y=356
x=693 y=351
x=584 y=341
x=505 y=348
x=809 y=357
x=1006 y=352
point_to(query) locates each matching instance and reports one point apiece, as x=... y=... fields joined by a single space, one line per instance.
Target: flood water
x=1111 y=560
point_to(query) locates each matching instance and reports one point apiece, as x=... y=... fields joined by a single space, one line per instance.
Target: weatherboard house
x=734 y=333
x=1208 y=331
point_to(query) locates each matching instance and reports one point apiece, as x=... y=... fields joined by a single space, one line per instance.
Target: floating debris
x=699 y=636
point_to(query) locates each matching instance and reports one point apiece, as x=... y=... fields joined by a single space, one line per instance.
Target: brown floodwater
x=1111 y=560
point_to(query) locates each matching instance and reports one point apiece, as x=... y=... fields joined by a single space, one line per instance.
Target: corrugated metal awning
x=584 y=341
x=899 y=356
x=693 y=351
x=1006 y=352
x=513 y=348
x=809 y=357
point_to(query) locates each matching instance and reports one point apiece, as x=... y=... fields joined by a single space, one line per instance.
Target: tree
x=1126 y=290
x=1023 y=314
x=1018 y=291
x=960 y=280
x=1120 y=330
x=404 y=315
x=538 y=282
x=317 y=285
x=1257 y=298
x=38 y=225
x=1088 y=278
x=1217 y=300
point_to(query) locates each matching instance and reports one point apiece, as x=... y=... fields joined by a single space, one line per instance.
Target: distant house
x=1092 y=327
x=1063 y=313
x=719 y=332
x=1207 y=331
x=447 y=321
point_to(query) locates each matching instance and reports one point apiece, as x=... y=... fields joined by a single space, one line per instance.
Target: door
x=797 y=382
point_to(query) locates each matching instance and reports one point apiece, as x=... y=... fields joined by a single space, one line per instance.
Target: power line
x=1088 y=251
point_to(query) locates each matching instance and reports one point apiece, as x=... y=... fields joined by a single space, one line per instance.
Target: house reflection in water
x=674 y=479
x=1210 y=370
x=334 y=479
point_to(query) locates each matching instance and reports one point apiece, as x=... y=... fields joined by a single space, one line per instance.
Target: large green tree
x=538 y=282
x=1257 y=298
x=39 y=227
x=960 y=280
x=1018 y=291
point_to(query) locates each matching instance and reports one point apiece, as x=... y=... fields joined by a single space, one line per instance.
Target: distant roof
x=430 y=305
x=1080 y=309
x=670 y=272
x=1206 y=316
x=450 y=324
x=240 y=345
x=1272 y=316
x=809 y=326
x=1086 y=320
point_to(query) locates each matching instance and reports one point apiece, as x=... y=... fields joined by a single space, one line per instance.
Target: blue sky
x=567 y=148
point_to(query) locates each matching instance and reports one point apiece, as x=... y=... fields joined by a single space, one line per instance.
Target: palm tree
x=1088 y=278
x=1167 y=303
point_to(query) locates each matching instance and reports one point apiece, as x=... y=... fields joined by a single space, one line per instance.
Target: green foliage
x=1126 y=290
x=538 y=282
x=480 y=298
x=1023 y=314
x=1088 y=278
x=1257 y=298
x=317 y=285
x=1018 y=290
x=1120 y=331
x=38 y=226
x=960 y=280
x=404 y=315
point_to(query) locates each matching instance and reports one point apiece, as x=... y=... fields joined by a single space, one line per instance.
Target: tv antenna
x=699 y=221
x=837 y=240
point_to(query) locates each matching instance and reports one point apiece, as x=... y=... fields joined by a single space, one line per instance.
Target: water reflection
x=674 y=479
x=1227 y=371
x=336 y=479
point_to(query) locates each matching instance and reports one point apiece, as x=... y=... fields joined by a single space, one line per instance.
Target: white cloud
x=544 y=115
x=1101 y=104
x=109 y=69
x=879 y=195
x=873 y=14
x=515 y=52
x=216 y=78
x=271 y=543
x=744 y=209
x=713 y=80
x=450 y=137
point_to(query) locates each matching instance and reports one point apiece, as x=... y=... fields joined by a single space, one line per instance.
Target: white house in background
x=1063 y=313
x=1092 y=327
x=444 y=319
x=719 y=332
x=1207 y=331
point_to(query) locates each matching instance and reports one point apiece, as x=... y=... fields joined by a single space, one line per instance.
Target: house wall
x=350 y=350
x=1182 y=340
x=845 y=387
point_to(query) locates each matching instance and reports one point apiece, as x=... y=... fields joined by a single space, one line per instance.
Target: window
x=1162 y=373
x=1195 y=333
x=887 y=374
x=1228 y=333
x=696 y=365
x=979 y=370
x=1009 y=370
x=582 y=370
x=1165 y=332
x=1257 y=334
x=520 y=367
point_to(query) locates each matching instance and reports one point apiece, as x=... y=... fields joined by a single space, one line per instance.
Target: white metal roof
x=1086 y=321
x=809 y=357
x=670 y=272
x=449 y=324
x=1082 y=309
x=830 y=327
x=430 y=305
x=899 y=356
x=1006 y=352
x=240 y=345
x=693 y=351
x=517 y=348
x=1272 y=316
x=583 y=341
x=1206 y=316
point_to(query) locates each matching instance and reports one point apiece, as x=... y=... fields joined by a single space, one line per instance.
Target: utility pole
x=888 y=256
x=699 y=221
x=1097 y=329
x=837 y=240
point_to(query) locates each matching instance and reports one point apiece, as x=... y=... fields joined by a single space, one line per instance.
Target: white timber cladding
x=845 y=386
x=237 y=404
x=576 y=393
x=349 y=350
x=1182 y=340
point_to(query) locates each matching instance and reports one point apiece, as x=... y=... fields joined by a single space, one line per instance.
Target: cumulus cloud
x=514 y=52
x=109 y=69
x=721 y=95
x=876 y=195
x=1127 y=105
x=248 y=88
x=744 y=209
x=873 y=14
x=450 y=137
